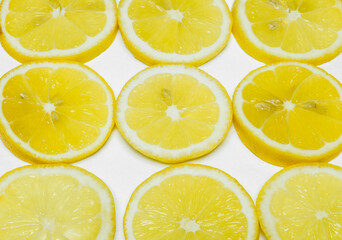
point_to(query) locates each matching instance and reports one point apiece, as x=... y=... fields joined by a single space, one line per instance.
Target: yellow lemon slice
x=302 y=202
x=55 y=202
x=173 y=113
x=190 y=202
x=173 y=31
x=290 y=113
x=57 y=29
x=55 y=112
x=301 y=30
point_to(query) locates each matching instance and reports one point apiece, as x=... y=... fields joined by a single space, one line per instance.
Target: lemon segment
x=58 y=29
x=55 y=202
x=278 y=30
x=190 y=202
x=190 y=31
x=302 y=202
x=293 y=110
x=55 y=111
x=173 y=113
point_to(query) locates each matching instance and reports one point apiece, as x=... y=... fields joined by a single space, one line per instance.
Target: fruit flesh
x=189 y=207
x=172 y=111
x=308 y=207
x=42 y=25
x=295 y=26
x=52 y=206
x=290 y=107
x=181 y=27
x=55 y=111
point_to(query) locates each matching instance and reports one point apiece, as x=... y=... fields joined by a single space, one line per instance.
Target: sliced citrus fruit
x=289 y=113
x=173 y=113
x=302 y=202
x=190 y=202
x=173 y=31
x=57 y=29
x=55 y=112
x=299 y=30
x=55 y=202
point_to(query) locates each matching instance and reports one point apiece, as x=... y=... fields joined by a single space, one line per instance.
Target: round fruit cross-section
x=290 y=113
x=55 y=202
x=296 y=30
x=173 y=31
x=302 y=202
x=55 y=112
x=76 y=30
x=190 y=202
x=173 y=113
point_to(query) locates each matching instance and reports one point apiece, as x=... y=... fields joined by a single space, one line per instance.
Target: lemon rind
x=146 y=54
x=108 y=226
x=176 y=155
x=268 y=149
x=255 y=48
x=24 y=151
x=277 y=181
x=93 y=47
x=231 y=183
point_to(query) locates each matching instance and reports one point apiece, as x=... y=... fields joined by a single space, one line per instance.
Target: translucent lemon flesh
x=308 y=206
x=181 y=27
x=45 y=25
x=55 y=111
x=173 y=111
x=295 y=26
x=189 y=207
x=52 y=207
x=293 y=105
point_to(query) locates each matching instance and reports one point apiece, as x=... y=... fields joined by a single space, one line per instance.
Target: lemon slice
x=57 y=29
x=302 y=202
x=301 y=30
x=289 y=113
x=173 y=31
x=55 y=202
x=54 y=112
x=173 y=113
x=190 y=202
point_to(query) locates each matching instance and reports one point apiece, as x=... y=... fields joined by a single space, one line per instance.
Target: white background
x=123 y=169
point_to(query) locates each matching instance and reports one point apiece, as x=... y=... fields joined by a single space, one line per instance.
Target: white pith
x=173 y=113
x=71 y=153
x=294 y=15
x=246 y=26
x=146 y=49
x=156 y=150
x=193 y=170
x=91 y=42
x=189 y=225
x=175 y=14
x=49 y=107
x=321 y=214
x=278 y=182
x=58 y=12
x=238 y=104
x=107 y=202
x=48 y=224
x=288 y=105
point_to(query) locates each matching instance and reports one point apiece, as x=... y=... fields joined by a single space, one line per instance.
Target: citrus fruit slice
x=302 y=202
x=173 y=113
x=190 y=202
x=297 y=30
x=289 y=113
x=55 y=112
x=173 y=31
x=55 y=202
x=57 y=29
